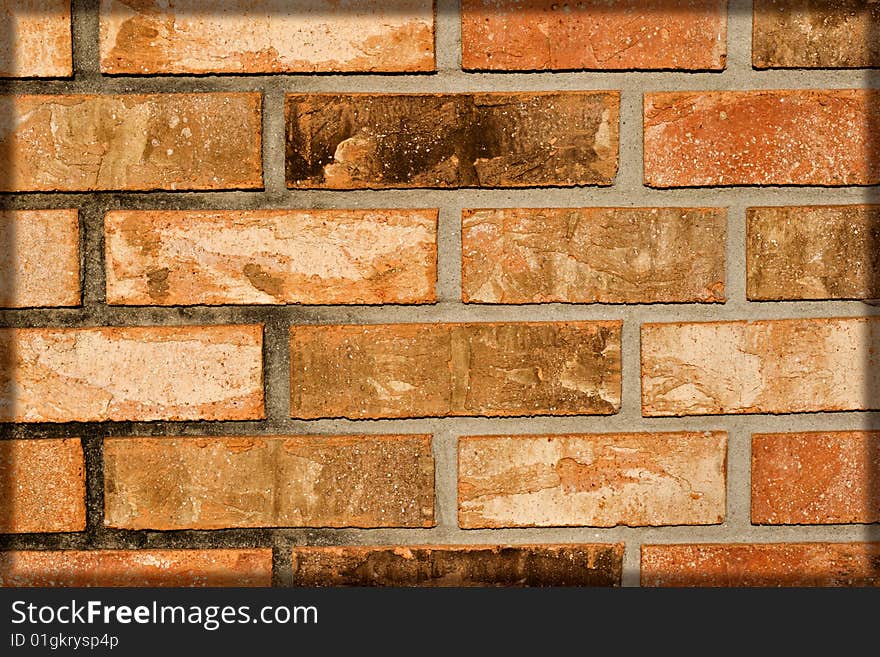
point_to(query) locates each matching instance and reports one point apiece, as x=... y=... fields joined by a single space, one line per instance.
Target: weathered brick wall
x=492 y=292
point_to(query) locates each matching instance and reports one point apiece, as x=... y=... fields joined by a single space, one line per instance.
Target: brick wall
x=492 y=292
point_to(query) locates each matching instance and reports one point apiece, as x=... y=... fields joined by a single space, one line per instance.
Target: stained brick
x=589 y=255
x=598 y=480
x=483 y=565
x=772 y=564
x=39 y=258
x=816 y=478
x=36 y=40
x=776 y=366
x=380 y=141
x=801 y=137
x=529 y=35
x=415 y=370
x=74 y=143
x=131 y=373
x=302 y=481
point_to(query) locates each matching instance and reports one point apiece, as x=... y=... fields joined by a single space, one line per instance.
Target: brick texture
x=271 y=256
x=599 y=480
x=137 y=568
x=818 y=252
x=762 y=138
x=269 y=36
x=415 y=370
x=36 y=40
x=76 y=143
x=39 y=261
x=514 y=565
x=380 y=141
x=782 y=564
x=815 y=34
x=42 y=486
x=782 y=366
x=529 y=35
x=303 y=481
x=589 y=255
x=131 y=373
x=815 y=478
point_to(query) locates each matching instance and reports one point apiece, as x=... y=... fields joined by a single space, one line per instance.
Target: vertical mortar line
x=91 y=214
x=445 y=449
x=447 y=36
x=276 y=366
x=738 y=515
x=273 y=141
x=93 y=452
x=448 y=251
x=739 y=38
x=84 y=33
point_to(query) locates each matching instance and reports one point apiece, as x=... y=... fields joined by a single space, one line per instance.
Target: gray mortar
x=627 y=191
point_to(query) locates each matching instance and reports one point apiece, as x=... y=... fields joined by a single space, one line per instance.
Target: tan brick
x=769 y=564
x=266 y=36
x=593 y=255
x=137 y=568
x=529 y=35
x=444 y=565
x=381 y=141
x=762 y=138
x=134 y=373
x=598 y=480
x=815 y=34
x=302 y=481
x=816 y=478
x=39 y=261
x=818 y=252
x=42 y=486
x=777 y=366
x=271 y=256
x=36 y=39
x=430 y=370
x=130 y=142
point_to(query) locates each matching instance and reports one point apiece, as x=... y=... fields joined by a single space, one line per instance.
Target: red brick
x=39 y=261
x=302 y=481
x=529 y=35
x=801 y=137
x=775 y=366
x=132 y=373
x=816 y=478
x=78 y=143
x=36 y=41
x=431 y=370
x=42 y=486
x=594 y=480
x=271 y=256
x=137 y=568
x=267 y=36
x=769 y=564
x=593 y=255
x=446 y=565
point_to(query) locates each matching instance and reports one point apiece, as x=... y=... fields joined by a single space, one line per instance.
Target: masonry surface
x=478 y=293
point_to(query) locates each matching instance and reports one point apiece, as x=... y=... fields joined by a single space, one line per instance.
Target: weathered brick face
x=404 y=292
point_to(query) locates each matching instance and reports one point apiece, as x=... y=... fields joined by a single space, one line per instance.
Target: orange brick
x=430 y=370
x=529 y=35
x=271 y=256
x=36 y=40
x=776 y=366
x=134 y=373
x=130 y=142
x=593 y=255
x=816 y=478
x=39 y=261
x=769 y=564
x=818 y=252
x=815 y=34
x=42 y=486
x=137 y=568
x=598 y=480
x=762 y=138
x=446 y=565
x=302 y=481
x=268 y=36
x=386 y=141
